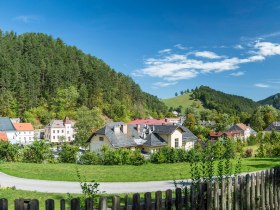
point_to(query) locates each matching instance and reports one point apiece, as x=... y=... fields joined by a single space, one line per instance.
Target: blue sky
x=167 y=46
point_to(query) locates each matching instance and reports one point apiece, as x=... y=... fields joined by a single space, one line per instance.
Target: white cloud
x=164 y=51
x=237 y=74
x=181 y=47
x=238 y=46
x=163 y=84
x=261 y=85
x=27 y=18
x=207 y=54
x=172 y=67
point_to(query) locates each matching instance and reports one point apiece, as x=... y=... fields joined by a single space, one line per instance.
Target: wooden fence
x=252 y=191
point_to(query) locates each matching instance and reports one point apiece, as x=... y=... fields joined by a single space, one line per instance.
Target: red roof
x=242 y=126
x=148 y=121
x=23 y=126
x=228 y=133
x=3 y=136
x=215 y=134
x=153 y=121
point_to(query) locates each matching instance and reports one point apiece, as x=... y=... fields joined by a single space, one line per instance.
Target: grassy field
x=183 y=100
x=147 y=172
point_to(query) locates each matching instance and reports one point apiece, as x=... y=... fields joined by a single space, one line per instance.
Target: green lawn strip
x=125 y=173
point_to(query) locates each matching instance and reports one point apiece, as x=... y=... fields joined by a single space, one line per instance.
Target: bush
x=37 y=152
x=248 y=153
x=9 y=152
x=68 y=154
x=89 y=158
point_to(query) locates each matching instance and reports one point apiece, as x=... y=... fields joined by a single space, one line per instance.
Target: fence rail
x=252 y=191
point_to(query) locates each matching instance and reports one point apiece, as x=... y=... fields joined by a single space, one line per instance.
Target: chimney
x=117 y=129
x=138 y=128
x=124 y=128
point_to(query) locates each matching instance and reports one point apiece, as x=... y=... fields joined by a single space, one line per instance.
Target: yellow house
x=147 y=138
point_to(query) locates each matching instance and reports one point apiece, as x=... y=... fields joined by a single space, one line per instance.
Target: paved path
x=74 y=187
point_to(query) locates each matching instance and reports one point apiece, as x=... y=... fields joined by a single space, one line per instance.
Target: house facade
x=58 y=131
x=275 y=126
x=147 y=138
x=245 y=131
x=24 y=133
x=6 y=126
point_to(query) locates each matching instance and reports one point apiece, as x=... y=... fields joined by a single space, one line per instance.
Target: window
x=53 y=131
x=53 y=137
x=29 y=138
x=57 y=131
x=176 y=143
x=67 y=132
x=62 y=131
x=101 y=138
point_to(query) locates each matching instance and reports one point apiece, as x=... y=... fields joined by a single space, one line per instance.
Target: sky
x=166 y=46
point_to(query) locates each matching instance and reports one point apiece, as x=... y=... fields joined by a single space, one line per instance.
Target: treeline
x=37 y=70
x=222 y=102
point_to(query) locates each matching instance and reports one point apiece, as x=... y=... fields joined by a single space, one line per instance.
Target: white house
x=245 y=131
x=24 y=133
x=7 y=127
x=60 y=131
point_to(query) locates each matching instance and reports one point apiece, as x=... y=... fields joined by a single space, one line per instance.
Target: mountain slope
x=273 y=100
x=222 y=102
x=39 y=71
x=206 y=98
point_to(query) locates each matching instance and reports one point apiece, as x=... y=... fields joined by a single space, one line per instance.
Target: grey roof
x=58 y=124
x=153 y=140
x=6 y=124
x=274 y=126
x=164 y=129
x=188 y=135
x=118 y=139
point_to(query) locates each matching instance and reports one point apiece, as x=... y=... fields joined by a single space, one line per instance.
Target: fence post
x=126 y=202
x=75 y=204
x=216 y=195
x=258 y=190
x=168 y=199
x=262 y=190
x=89 y=204
x=242 y=199
x=49 y=204
x=223 y=194
x=148 y=201
x=271 y=181
x=253 y=192
x=136 y=202
x=62 y=204
x=236 y=192
x=158 y=203
x=267 y=188
x=193 y=196
x=115 y=202
x=3 y=204
x=248 y=192
x=187 y=198
x=209 y=195
x=178 y=201
x=230 y=193
x=102 y=203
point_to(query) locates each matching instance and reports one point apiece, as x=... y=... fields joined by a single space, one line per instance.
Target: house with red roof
x=245 y=130
x=229 y=134
x=24 y=133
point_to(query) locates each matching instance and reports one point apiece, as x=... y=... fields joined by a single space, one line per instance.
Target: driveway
x=74 y=187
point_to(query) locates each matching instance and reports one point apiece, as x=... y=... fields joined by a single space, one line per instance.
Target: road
x=74 y=187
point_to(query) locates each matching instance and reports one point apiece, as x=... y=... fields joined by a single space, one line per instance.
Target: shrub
x=9 y=152
x=37 y=152
x=68 y=154
x=248 y=153
x=89 y=158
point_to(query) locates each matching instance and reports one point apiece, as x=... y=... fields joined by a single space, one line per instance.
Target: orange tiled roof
x=3 y=136
x=242 y=126
x=23 y=126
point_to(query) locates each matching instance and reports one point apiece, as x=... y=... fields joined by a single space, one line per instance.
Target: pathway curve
x=74 y=187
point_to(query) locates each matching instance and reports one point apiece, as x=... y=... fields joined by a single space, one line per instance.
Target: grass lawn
x=99 y=173
x=183 y=100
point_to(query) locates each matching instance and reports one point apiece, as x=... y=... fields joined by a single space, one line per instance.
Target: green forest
x=43 y=78
x=224 y=103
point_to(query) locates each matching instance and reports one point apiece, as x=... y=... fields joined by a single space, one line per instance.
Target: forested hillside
x=43 y=77
x=222 y=102
x=272 y=100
